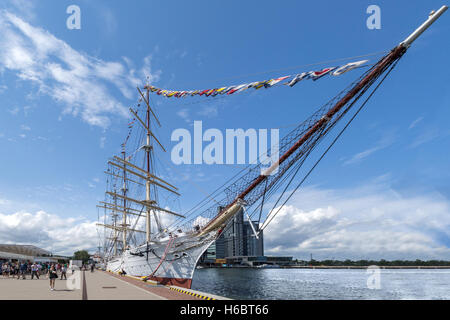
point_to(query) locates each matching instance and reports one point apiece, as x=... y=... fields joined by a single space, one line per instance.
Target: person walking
x=52 y=276
x=16 y=270
x=23 y=270
x=47 y=271
x=34 y=271
x=39 y=268
x=64 y=271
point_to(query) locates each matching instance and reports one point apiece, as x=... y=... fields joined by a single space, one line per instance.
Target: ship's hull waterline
x=169 y=262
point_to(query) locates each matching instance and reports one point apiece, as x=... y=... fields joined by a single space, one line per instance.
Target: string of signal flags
x=289 y=80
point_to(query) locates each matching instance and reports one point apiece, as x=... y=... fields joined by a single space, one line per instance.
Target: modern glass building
x=237 y=239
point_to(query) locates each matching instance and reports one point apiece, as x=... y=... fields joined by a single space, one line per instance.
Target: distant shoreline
x=328 y=267
x=365 y=267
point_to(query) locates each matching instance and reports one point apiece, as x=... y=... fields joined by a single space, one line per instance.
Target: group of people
x=52 y=271
x=22 y=269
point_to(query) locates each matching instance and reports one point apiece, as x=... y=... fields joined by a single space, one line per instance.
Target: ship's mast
x=114 y=216
x=145 y=174
x=124 y=213
x=147 y=184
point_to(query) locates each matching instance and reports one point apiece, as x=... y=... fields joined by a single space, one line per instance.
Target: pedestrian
x=18 y=265
x=63 y=271
x=16 y=270
x=47 y=271
x=23 y=270
x=39 y=268
x=92 y=267
x=34 y=271
x=52 y=276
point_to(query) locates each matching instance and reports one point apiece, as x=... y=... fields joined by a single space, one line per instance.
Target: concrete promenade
x=98 y=285
x=13 y=289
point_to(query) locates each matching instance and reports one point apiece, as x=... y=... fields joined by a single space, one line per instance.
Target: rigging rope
x=303 y=66
x=169 y=243
x=272 y=216
x=284 y=143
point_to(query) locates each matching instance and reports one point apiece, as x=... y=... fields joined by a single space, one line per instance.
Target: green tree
x=82 y=255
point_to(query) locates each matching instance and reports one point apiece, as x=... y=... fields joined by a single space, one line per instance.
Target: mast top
x=431 y=19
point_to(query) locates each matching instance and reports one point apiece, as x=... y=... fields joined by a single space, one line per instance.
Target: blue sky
x=55 y=145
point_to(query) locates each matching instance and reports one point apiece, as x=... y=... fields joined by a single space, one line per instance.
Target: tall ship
x=143 y=238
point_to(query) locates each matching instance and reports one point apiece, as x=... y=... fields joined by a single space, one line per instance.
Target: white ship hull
x=169 y=262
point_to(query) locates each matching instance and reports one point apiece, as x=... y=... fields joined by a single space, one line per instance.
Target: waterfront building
x=252 y=246
x=259 y=261
x=237 y=240
x=15 y=252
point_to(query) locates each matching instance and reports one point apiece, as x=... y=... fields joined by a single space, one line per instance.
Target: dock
x=97 y=285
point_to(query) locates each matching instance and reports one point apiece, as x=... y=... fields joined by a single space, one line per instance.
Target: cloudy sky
x=383 y=191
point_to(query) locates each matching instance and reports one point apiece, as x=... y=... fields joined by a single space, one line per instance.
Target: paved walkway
x=97 y=285
x=159 y=290
x=102 y=286
x=13 y=289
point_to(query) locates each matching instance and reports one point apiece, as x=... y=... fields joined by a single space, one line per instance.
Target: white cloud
x=209 y=111
x=362 y=155
x=14 y=111
x=48 y=231
x=146 y=70
x=184 y=114
x=25 y=128
x=79 y=82
x=25 y=7
x=425 y=137
x=41 y=138
x=415 y=123
x=368 y=222
x=102 y=142
x=386 y=140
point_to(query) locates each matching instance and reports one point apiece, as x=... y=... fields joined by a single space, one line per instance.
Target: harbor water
x=312 y=284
